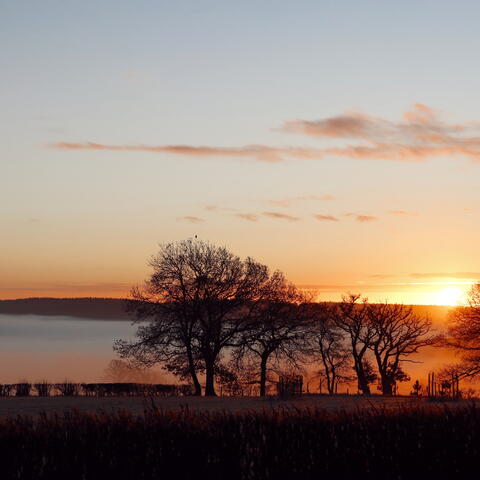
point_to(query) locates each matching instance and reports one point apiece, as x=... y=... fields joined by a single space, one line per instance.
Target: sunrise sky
x=336 y=141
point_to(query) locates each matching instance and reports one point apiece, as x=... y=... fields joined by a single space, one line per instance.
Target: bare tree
x=397 y=334
x=197 y=302
x=328 y=345
x=278 y=328
x=463 y=334
x=351 y=317
x=167 y=329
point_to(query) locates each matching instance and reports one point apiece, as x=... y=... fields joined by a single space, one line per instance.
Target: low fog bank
x=56 y=347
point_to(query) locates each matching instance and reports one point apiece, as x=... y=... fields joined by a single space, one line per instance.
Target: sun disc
x=449 y=296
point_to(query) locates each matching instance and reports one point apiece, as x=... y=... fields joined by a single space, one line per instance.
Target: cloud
x=330 y=218
x=461 y=275
x=401 y=213
x=365 y=218
x=261 y=153
x=217 y=208
x=281 y=216
x=350 y=125
x=420 y=134
x=191 y=219
x=361 y=218
x=382 y=276
x=251 y=217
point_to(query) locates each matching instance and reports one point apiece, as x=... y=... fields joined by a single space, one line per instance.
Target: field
x=385 y=440
x=35 y=405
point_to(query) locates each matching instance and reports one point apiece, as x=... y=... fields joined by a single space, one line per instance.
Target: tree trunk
x=263 y=376
x=210 y=379
x=387 y=387
x=193 y=374
x=362 y=381
x=331 y=384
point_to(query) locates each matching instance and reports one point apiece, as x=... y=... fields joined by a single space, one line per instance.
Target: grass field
x=35 y=405
x=382 y=441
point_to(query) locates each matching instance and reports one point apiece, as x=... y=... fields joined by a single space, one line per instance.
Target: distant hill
x=114 y=308
x=94 y=308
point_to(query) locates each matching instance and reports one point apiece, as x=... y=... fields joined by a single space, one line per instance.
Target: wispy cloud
x=461 y=275
x=361 y=218
x=402 y=213
x=281 y=216
x=420 y=134
x=191 y=219
x=365 y=218
x=251 y=217
x=261 y=153
x=328 y=218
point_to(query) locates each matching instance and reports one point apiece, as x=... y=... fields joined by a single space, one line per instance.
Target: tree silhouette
x=397 y=334
x=198 y=301
x=328 y=345
x=463 y=334
x=351 y=317
x=278 y=328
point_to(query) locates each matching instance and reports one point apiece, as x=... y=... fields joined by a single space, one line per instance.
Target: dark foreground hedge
x=406 y=444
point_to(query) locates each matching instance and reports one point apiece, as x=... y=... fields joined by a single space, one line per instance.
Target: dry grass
x=299 y=443
x=34 y=405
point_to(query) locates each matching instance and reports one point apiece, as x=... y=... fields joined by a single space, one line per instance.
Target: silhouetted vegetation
x=71 y=389
x=464 y=336
x=405 y=444
x=205 y=312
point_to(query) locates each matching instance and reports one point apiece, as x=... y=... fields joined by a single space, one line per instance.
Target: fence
x=444 y=387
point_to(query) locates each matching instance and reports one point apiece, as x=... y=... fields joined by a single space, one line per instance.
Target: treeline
x=205 y=312
x=93 y=308
x=299 y=444
x=70 y=389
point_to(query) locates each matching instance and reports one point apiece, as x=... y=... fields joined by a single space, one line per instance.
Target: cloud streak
x=191 y=219
x=328 y=218
x=262 y=153
x=419 y=135
x=281 y=216
x=251 y=217
x=361 y=218
x=401 y=213
x=460 y=275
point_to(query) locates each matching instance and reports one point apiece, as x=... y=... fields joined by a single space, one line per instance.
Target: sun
x=449 y=296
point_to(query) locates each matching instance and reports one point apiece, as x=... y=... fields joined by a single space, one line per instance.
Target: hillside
x=113 y=308
x=95 y=308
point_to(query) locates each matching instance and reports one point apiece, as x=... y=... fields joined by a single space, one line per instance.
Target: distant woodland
x=94 y=308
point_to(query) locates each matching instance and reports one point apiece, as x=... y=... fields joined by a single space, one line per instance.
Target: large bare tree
x=197 y=302
x=397 y=334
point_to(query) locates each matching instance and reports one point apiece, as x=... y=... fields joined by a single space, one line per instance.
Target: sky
x=337 y=141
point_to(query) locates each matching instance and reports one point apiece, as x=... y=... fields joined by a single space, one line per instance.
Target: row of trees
x=205 y=312
x=463 y=336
